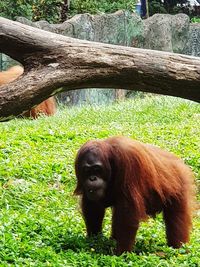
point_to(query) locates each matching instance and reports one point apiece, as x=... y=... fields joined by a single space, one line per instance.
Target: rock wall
x=192 y=46
x=165 y=32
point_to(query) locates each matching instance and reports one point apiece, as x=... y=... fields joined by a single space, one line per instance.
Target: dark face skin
x=95 y=176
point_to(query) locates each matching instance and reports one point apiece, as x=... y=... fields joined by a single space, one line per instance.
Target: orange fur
x=11 y=74
x=47 y=107
x=144 y=181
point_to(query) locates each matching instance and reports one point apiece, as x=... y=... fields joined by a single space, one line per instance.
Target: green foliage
x=51 y=10
x=195 y=20
x=166 y=6
x=156 y=7
x=31 y=9
x=98 y=6
x=40 y=220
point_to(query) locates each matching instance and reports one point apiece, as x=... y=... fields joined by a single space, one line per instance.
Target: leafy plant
x=31 y=9
x=104 y=6
x=195 y=20
x=166 y=6
x=51 y=10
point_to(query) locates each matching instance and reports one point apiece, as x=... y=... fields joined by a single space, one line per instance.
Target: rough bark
x=53 y=60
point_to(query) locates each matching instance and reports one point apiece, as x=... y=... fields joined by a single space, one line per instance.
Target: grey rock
x=166 y=32
x=192 y=46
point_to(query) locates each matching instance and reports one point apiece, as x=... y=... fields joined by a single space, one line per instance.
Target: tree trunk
x=52 y=61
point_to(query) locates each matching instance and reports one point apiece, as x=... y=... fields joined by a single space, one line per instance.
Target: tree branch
x=53 y=60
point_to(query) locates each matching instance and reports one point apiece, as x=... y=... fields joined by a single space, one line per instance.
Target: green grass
x=40 y=220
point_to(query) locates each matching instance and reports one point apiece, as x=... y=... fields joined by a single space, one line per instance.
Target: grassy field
x=40 y=220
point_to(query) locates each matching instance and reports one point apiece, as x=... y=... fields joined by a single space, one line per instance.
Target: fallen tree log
x=52 y=61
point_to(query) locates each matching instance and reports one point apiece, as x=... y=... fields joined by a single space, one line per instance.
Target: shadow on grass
x=101 y=245
x=98 y=244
